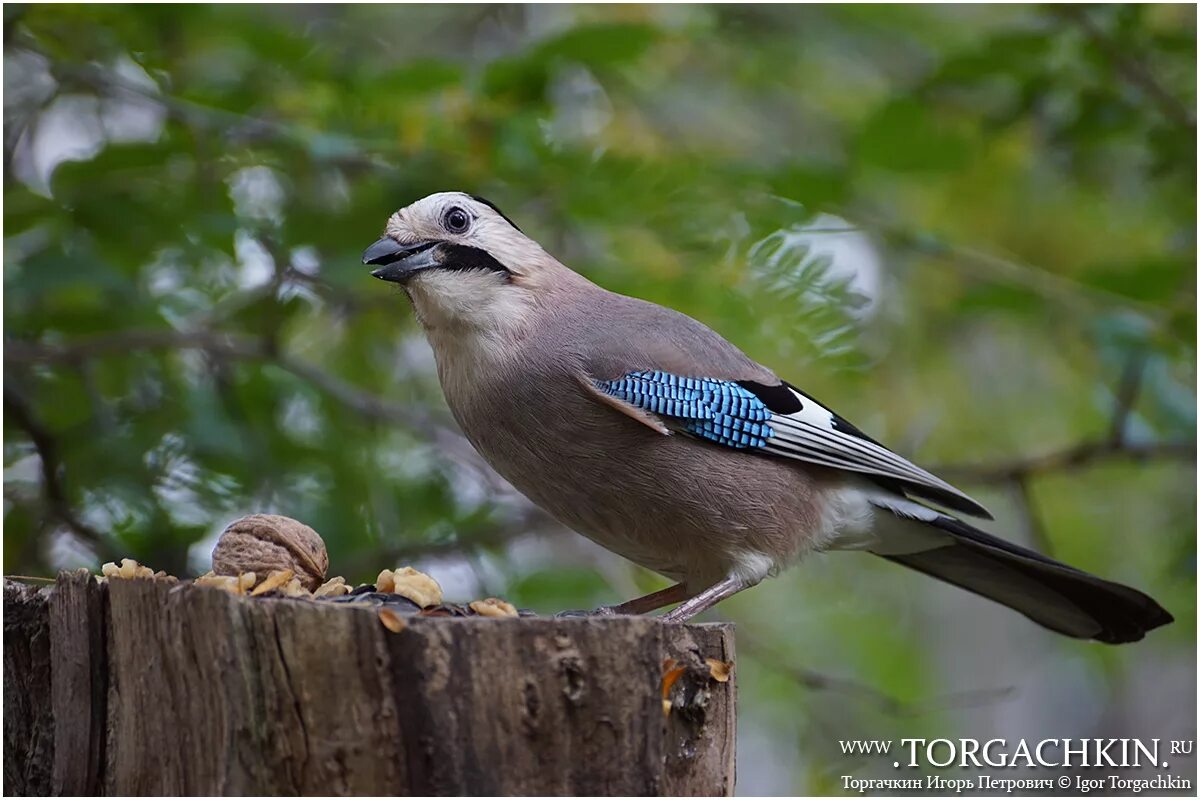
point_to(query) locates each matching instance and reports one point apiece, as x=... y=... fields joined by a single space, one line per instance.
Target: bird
x=646 y=431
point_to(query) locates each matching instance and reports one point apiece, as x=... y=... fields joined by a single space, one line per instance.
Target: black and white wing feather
x=779 y=420
x=809 y=431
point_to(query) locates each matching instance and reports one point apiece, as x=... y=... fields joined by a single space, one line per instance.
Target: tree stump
x=138 y=687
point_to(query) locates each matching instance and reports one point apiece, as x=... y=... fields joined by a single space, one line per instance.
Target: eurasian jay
x=650 y=434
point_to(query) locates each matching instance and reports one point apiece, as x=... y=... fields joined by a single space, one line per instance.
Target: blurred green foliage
x=960 y=226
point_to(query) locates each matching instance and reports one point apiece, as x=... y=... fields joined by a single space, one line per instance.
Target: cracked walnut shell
x=266 y=543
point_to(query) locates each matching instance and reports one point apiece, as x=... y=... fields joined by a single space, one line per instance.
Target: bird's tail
x=1060 y=597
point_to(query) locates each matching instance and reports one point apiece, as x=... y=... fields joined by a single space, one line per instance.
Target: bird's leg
x=707 y=599
x=638 y=605
x=653 y=601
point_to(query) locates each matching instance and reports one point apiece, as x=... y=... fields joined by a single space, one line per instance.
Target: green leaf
x=908 y=136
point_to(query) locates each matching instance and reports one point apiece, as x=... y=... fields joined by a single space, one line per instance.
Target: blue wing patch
x=720 y=411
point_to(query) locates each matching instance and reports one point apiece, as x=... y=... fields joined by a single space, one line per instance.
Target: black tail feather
x=1055 y=595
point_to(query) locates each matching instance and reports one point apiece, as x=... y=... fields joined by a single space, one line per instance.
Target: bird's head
x=461 y=261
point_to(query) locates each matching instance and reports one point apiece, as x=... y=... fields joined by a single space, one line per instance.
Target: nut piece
x=493 y=607
x=719 y=671
x=386 y=582
x=277 y=579
x=128 y=569
x=408 y=582
x=225 y=582
x=671 y=671
x=266 y=543
x=234 y=584
x=391 y=620
x=295 y=589
x=334 y=587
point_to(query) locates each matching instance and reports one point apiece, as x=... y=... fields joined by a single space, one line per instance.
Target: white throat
x=468 y=302
x=474 y=320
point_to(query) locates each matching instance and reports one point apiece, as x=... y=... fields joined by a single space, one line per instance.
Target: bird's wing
x=776 y=420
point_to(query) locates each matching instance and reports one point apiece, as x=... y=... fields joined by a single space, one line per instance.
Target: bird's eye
x=457 y=220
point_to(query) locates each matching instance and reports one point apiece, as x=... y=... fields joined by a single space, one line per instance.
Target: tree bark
x=28 y=724
x=141 y=687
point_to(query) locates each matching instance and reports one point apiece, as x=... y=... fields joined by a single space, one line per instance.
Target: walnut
x=493 y=607
x=408 y=582
x=266 y=543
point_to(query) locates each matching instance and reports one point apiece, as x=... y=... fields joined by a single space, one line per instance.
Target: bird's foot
x=602 y=611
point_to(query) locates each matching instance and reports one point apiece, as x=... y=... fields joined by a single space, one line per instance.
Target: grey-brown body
x=677 y=505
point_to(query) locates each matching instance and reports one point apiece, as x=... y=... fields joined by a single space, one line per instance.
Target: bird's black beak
x=399 y=262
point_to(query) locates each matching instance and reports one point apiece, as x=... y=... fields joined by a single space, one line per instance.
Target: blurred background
x=970 y=230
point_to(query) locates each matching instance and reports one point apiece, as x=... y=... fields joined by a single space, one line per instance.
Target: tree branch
x=1132 y=70
x=1126 y=396
x=1023 y=495
x=225 y=346
x=104 y=81
x=1071 y=458
x=448 y=442
x=887 y=703
x=53 y=481
x=1038 y=280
